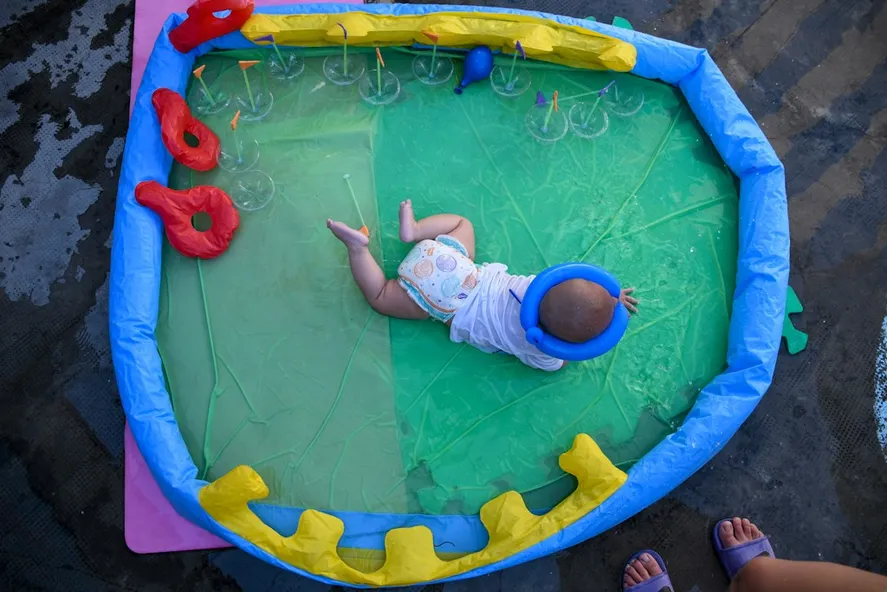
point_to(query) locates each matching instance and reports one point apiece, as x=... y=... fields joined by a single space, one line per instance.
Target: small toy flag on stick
x=244 y=66
x=600 y=95
x=518 y=51
x=363 y=229
x=270 y=38
x=551 y=108
x=434 y=37
x=235 y=138
x=380 y=63
x=344 y=50
x=198 y=74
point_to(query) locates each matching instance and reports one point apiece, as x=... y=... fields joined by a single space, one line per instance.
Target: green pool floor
x=274 y=360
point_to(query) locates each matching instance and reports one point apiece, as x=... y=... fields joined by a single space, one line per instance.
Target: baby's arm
x=629 y=301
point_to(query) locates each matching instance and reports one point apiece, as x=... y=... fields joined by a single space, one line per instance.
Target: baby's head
x=576 y=310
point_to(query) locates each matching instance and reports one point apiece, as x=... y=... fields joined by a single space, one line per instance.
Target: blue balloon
x=478 y=65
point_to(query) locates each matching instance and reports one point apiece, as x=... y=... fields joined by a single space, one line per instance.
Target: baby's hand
x=628 y=301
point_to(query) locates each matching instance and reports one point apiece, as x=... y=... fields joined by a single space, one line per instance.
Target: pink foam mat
x=151 y=525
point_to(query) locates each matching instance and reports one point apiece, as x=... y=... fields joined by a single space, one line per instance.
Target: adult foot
x=346 y=234
x=738 y=531
x=409 y=229
x=644 y=568
x=738 y=542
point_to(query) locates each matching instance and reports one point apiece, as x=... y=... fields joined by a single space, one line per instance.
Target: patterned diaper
x=439 y=276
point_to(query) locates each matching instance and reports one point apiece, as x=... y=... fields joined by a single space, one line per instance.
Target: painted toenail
x=646 y=557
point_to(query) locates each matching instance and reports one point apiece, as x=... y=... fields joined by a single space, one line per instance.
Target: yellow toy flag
x=244 y=64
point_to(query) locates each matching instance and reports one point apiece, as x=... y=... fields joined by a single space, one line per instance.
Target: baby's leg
x=456 y=226
x=384 y=296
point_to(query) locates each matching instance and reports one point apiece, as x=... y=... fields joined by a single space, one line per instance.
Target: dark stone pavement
x=807 y=466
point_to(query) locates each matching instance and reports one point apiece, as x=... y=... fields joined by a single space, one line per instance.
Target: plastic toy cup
x=588 y=120
x=252 y=190
x=510 y=82
x=343 y=73
x=372 y=93
x=621 y=103
x=545 y=125
x=285 y=66
x=433 y=71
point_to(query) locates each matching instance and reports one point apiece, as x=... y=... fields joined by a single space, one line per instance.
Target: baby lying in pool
x=481 y=304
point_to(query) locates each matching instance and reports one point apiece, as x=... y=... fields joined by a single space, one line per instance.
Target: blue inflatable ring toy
x=564 y=350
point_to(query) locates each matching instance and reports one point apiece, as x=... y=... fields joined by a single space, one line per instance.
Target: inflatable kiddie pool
x=277 y=411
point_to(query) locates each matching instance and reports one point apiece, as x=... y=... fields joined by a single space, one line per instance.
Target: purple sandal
x=734 y=558
x=660 y=583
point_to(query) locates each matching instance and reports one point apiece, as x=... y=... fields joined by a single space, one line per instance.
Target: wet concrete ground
x=807 y=466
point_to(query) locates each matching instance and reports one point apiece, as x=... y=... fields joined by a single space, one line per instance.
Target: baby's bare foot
x=408 y=226
x=346 y=234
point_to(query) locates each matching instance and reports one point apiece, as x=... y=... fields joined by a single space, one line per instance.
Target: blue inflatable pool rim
x=722 y=406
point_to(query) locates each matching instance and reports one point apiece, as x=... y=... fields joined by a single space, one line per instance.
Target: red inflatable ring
x=202 y=25
x=175 y=121
x=176 y=208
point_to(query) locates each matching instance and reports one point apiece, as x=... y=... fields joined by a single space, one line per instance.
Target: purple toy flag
x=344 y=50
x=269 y=38
x=540 y=99
x=520 y=48
x=518 y=51
x=606 y=89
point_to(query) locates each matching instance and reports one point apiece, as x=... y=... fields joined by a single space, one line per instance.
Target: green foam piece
x=622 y=23
x=795 y=341
x=591 y=18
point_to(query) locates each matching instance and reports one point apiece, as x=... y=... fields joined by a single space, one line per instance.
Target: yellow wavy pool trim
x=409 y=552
x=541 y=38
x=367 y=560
